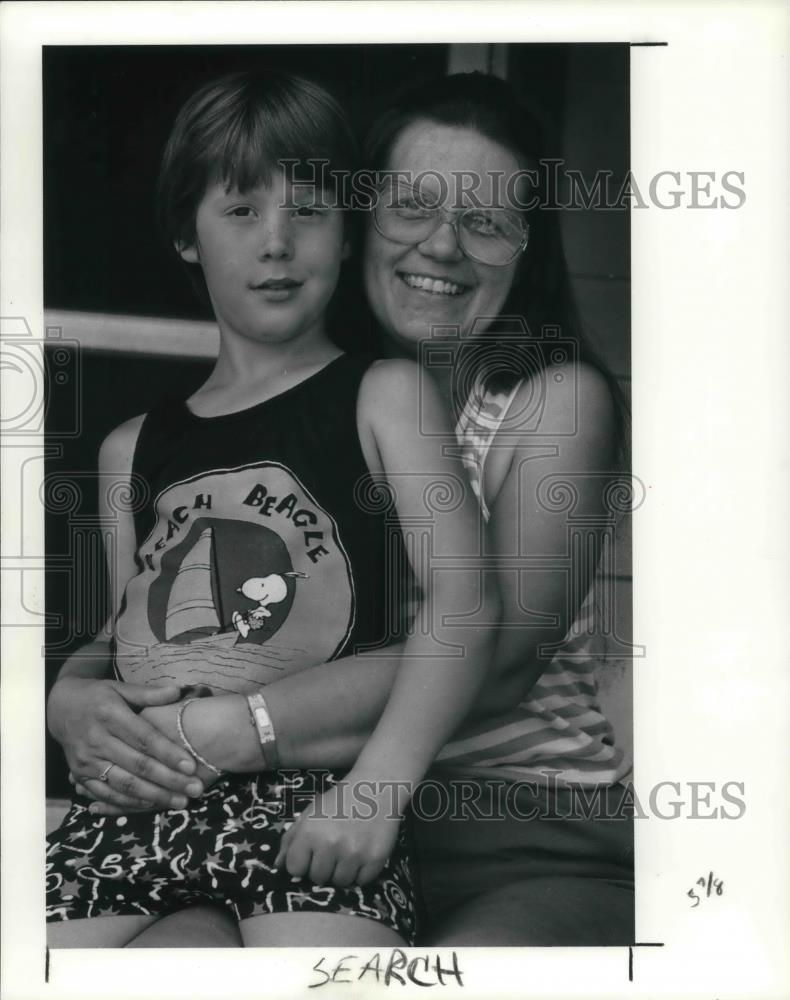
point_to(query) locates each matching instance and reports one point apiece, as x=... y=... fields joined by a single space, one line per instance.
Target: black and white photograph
x=360 y=539
x=310 y=464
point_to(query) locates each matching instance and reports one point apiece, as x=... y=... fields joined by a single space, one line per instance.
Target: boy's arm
x=347 y=834
x=92 y=716
x=448 y=651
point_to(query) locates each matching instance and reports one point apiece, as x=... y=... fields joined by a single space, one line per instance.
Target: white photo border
x=711 y=542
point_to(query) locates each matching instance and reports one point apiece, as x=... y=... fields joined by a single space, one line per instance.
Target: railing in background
x=150 y=335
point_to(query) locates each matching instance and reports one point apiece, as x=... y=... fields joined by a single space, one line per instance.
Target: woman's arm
x=324 y=715
x=93 y=717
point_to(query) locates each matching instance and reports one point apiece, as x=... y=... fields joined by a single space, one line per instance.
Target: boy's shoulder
x=398 y=396
x=117 y=449
x=394 y=380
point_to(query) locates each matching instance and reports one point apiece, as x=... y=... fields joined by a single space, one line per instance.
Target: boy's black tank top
x=263 y=547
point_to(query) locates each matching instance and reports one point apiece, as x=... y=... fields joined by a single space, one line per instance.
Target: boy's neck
x=243 y=359
x=241 y=365
x=248 y=373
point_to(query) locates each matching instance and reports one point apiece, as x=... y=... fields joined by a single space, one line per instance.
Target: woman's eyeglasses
x=494 y=236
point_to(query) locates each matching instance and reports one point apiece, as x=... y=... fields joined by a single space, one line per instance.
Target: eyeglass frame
x=454 y=219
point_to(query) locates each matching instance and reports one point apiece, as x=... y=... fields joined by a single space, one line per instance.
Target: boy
x=257 y=555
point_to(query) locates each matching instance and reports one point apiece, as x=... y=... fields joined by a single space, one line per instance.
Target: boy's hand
x=339 y=839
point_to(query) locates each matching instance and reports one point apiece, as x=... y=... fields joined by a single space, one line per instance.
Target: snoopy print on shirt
x=242 y=580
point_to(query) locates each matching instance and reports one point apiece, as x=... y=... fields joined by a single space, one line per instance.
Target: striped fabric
x=559 y=726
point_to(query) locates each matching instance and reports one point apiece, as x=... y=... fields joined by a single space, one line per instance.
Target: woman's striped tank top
x=559 y=726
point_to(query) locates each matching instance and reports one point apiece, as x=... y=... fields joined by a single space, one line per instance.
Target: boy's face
x=270 y=270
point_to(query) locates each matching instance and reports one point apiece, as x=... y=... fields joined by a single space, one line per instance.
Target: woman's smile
x=421 y=294
x=432 y=285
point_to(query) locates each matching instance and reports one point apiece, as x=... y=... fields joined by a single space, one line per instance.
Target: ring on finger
x=104 y=775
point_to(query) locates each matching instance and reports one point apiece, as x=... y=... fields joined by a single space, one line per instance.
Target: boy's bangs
x=244 y=131
x=256 y=149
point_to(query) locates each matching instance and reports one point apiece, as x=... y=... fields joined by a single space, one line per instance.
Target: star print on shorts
x=219 y=850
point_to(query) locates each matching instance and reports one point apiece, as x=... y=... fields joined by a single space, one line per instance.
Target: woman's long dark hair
x=541 y=295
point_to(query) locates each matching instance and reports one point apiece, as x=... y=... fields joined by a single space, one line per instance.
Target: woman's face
x=412 y=288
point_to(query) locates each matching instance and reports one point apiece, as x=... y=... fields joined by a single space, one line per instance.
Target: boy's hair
x=236 y=130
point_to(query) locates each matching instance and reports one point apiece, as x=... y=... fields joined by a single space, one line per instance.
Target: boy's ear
x=188 y=253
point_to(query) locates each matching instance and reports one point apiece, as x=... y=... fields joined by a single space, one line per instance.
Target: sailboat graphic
x=229 y=599
x=195 y=645
x=191 y=608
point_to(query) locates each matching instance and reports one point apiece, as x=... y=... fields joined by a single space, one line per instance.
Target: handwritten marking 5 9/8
x=397 y=968
x=708 y=885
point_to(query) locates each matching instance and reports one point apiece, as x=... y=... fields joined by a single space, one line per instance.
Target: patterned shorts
x=219 y=850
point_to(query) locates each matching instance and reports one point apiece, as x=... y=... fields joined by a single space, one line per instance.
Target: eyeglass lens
x=489 y=235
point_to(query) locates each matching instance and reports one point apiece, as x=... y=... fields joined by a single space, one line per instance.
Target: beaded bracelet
x=187 y=744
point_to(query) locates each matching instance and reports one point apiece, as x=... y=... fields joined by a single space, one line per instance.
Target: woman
x=464 y=262
x=549 y=881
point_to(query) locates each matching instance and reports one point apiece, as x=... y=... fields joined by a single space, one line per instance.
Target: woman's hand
x=340 y=839
x=164 y=718
x=95 y=722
